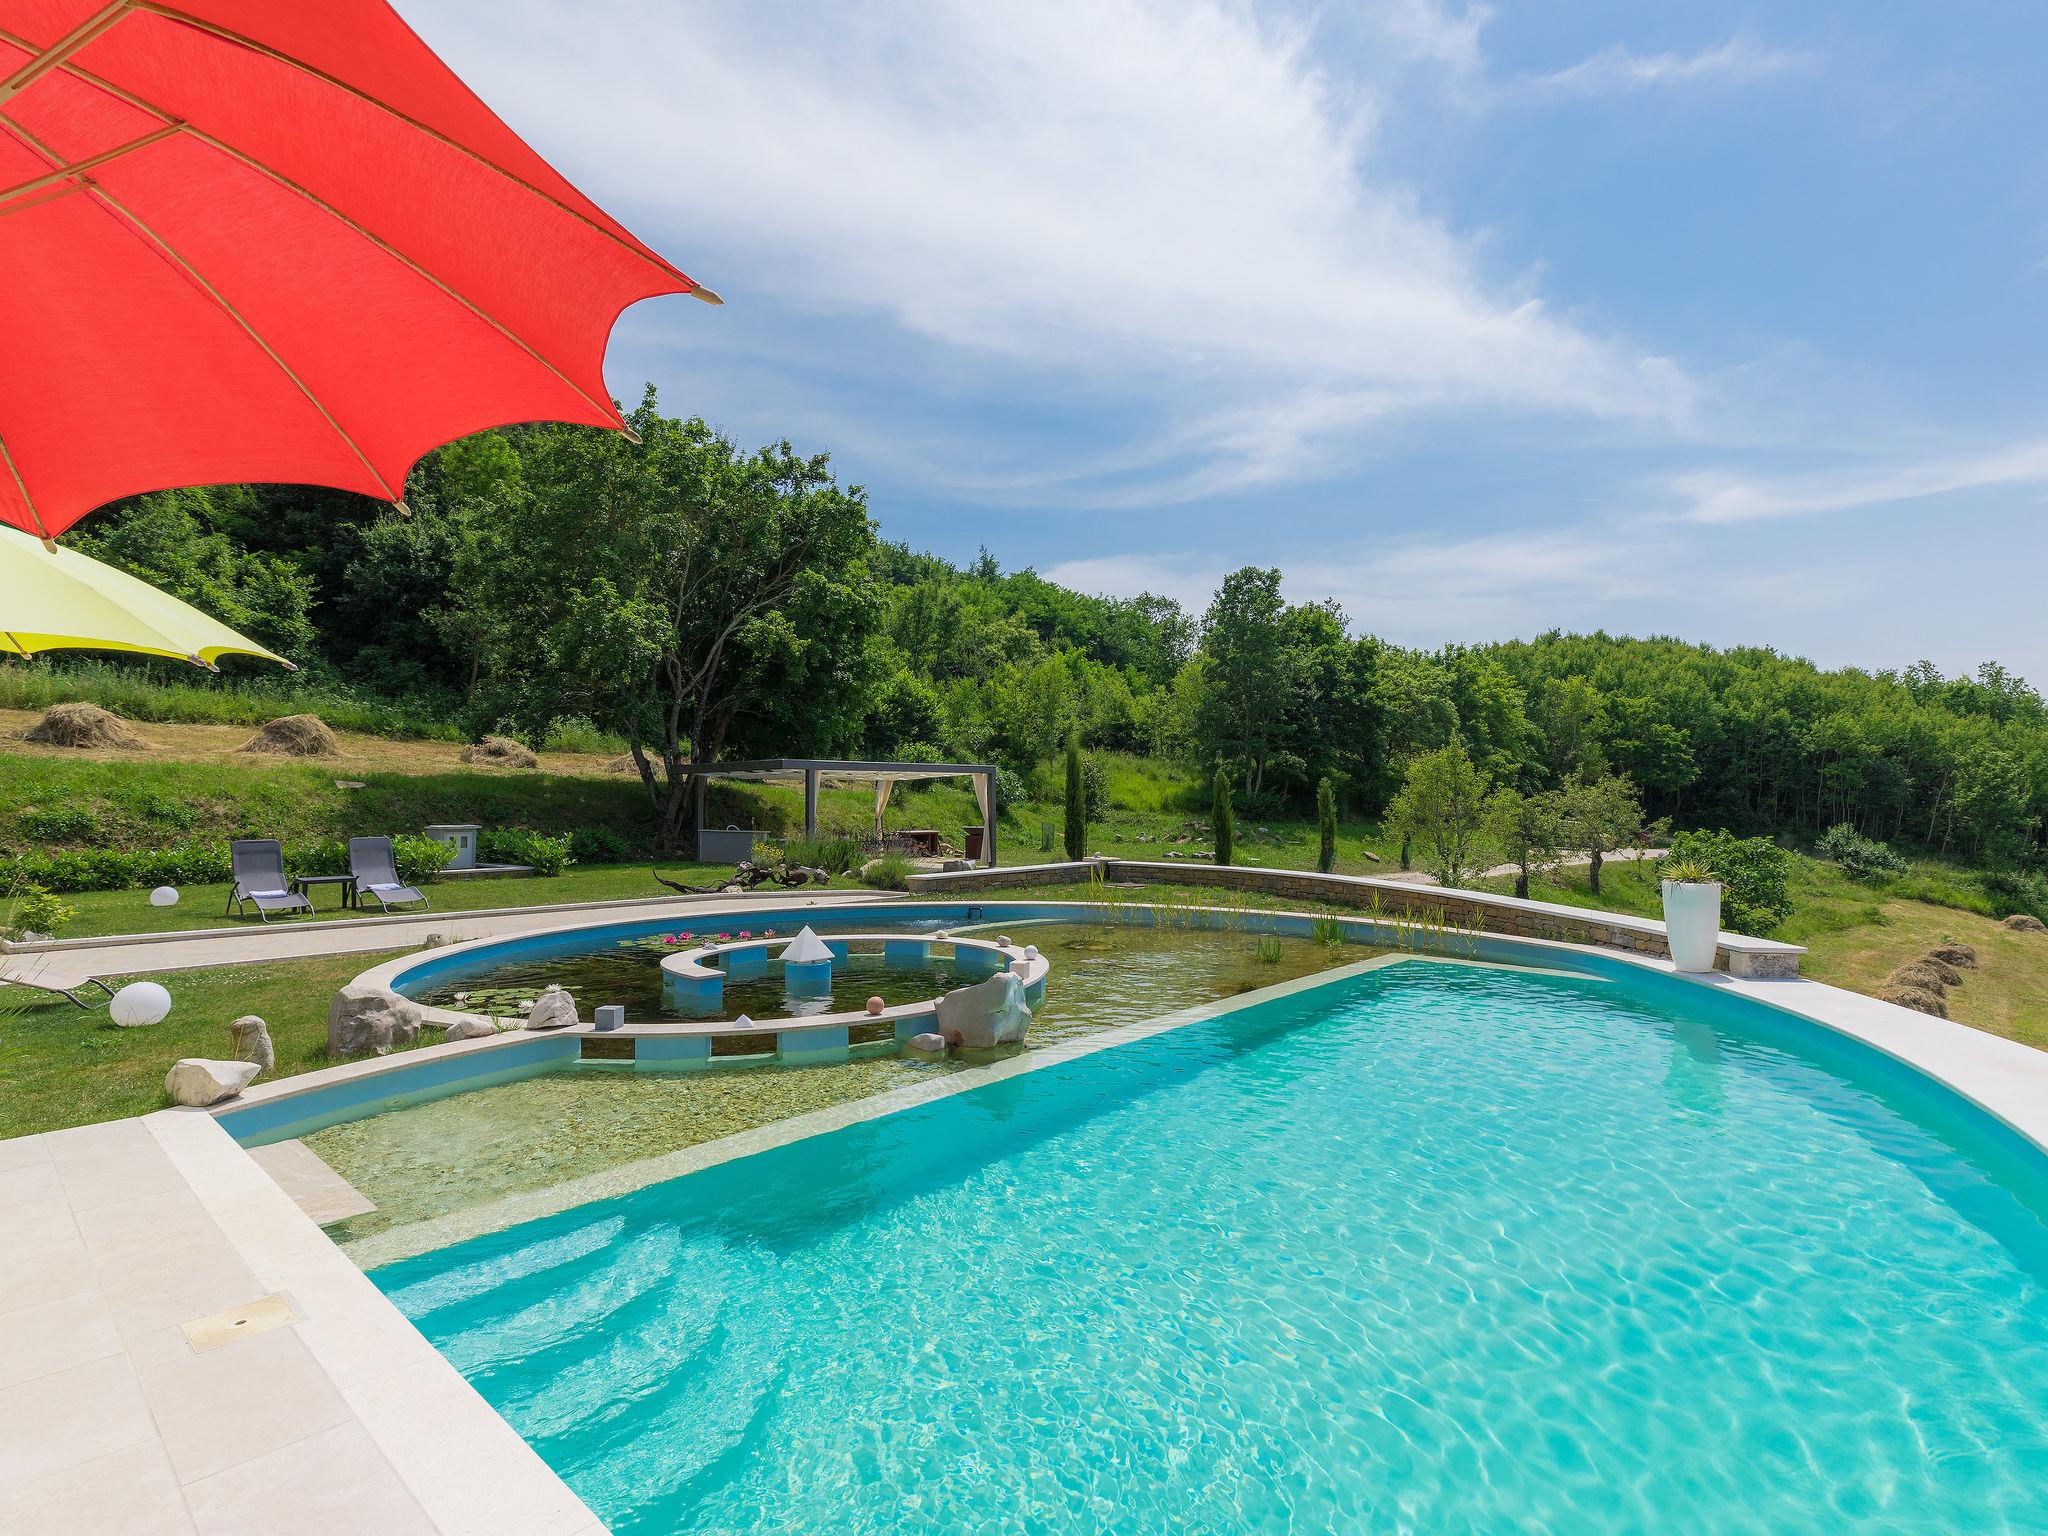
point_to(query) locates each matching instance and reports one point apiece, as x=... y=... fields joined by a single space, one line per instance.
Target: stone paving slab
x=338 y=1416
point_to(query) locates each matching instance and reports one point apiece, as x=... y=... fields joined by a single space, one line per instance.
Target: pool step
x=314 y=1187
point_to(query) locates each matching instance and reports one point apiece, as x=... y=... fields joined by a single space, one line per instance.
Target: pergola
x=815 y=773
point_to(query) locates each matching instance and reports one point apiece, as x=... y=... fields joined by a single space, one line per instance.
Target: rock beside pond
x=553 y=1009
x=471 y=1029
x=370 y=1019
x=252 y=1041
x=926 y=1047
x=988 y=1014
x=198 y=1082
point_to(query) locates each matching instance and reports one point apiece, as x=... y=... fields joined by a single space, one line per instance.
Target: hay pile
x=622 y=765
x=1916 y=998
x=2024 y=922
x=295 y=736
x=83 y=725
x=1923 y=984
x=499 y=752
x=1928 y=975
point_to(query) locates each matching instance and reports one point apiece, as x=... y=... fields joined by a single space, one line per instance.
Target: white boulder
x=988 y=1014
x=471 y=1029
x=364 y=1019
x=925 y=1047
x=198 y=1082
x=553 y=1009
x=252 y=1041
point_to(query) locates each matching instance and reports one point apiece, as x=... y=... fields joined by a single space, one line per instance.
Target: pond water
x=543 y=1131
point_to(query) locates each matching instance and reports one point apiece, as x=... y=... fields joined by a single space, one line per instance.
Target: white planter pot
x=1692 y=924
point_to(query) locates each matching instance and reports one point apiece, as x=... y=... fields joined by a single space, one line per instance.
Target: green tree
x=1326 y=825
x=1442 y=806
x=1600 y=816
x=685 y=595
x=1222 y=818
x=1527 y=829
x=1077 y=801
x=1249 y=677
x=172 y=540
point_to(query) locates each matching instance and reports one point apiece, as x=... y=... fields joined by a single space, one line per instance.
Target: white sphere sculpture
x=139 y=1003
x=164 y=896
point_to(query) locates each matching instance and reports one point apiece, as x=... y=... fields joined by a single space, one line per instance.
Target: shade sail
x=59 y=599
x=244 y=240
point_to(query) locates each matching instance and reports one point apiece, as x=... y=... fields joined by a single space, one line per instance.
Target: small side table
x=346 y=882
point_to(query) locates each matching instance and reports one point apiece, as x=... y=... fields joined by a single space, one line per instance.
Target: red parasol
x=245 y=240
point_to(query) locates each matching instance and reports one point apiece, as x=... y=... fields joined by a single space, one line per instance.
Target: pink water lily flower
x=745 y=934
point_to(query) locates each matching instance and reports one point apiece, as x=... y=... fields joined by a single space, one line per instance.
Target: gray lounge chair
x=260 y=879
x=375 y=867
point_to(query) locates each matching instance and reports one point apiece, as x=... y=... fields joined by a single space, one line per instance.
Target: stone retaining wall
x=1395 y=900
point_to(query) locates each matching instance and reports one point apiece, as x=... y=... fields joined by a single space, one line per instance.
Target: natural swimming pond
x=1433 y=1248
x=467 y=1150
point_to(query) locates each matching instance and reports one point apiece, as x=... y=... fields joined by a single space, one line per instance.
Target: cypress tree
x=1221 y=818
x=1077 y=804
x=1326 y=826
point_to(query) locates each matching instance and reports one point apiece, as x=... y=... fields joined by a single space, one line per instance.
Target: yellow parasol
x=52 y=599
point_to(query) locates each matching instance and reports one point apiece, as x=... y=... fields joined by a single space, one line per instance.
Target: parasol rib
x=227 y=35
x=90 y=162
x=192 y=275
x=602 y=407
x=42 y=61
x=28 y=501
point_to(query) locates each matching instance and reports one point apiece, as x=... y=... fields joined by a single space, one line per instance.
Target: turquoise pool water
x=1435 y=1249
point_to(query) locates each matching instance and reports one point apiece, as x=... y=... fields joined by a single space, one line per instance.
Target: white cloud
x=1618 y=69
x=1166 y=199
x=1715 y=497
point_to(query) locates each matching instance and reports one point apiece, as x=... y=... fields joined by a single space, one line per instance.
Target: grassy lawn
x=67 y=1067
x=201 y=906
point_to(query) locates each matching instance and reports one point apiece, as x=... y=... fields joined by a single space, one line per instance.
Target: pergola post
x=988 y=820
x=810 y=802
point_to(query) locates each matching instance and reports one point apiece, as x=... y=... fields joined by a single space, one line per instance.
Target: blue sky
x=1719 y=321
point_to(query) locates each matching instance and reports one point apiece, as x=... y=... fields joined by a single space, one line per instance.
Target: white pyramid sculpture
x=805 y=949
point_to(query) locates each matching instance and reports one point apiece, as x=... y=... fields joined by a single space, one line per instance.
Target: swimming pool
x=1436 y=1247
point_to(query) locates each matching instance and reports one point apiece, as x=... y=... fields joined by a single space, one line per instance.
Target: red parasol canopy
x=250 y=240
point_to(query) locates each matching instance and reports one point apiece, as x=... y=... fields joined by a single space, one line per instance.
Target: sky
x=1718 y=321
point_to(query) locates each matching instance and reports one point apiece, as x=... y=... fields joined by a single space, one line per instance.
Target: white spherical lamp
x=164 y=896
x=139 y=1003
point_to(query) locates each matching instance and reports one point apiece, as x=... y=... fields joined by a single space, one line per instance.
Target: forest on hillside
x=685 y=595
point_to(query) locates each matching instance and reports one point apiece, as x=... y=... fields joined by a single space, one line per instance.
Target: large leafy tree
x=699 y=601
x=1442 y=806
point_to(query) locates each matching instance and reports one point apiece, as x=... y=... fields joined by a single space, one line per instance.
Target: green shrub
x=1009 y=790
x=1076 y=802
x=60 y=824
x=598 y=845
x=2017 y=890
x=1755 y=875
x=35 y=910
x=516 y=845
x=1861 y=856
x=573 y=733
x=891 y=872
x=831 y=852
x=1329 y=932
x=1222 y=820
